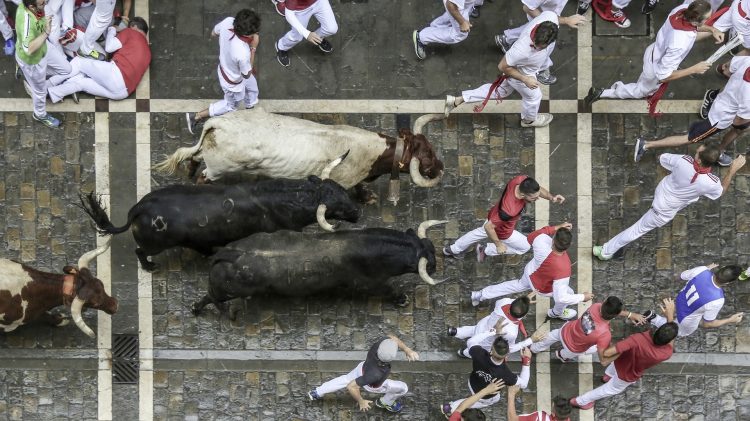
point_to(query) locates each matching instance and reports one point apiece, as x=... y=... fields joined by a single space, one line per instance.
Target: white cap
x=387 y=350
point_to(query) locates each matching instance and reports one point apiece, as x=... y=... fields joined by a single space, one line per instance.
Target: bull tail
x=169 y=165
x=92 y=205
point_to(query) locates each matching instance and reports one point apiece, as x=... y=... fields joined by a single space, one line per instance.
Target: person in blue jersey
x=701 y=299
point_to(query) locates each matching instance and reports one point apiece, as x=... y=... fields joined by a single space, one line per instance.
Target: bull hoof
x=150 y=266
x=402 y=300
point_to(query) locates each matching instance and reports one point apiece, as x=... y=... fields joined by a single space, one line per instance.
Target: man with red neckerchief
x=560 y=412
x=690 y=179
x=737 y=17
x=662 y=59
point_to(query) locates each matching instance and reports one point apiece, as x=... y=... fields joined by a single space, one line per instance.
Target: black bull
x=205 y=217
x=297 y=264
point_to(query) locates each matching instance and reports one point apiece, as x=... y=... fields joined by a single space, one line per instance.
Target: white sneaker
x=450 y=104
x=542 y=120
x=567 y=314
x=476 y=298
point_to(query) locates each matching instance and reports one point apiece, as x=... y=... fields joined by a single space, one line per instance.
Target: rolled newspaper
x=737 y=40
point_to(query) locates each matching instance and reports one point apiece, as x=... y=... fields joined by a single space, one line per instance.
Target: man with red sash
x=238 y=39
x=662 y=59
x=547 y=274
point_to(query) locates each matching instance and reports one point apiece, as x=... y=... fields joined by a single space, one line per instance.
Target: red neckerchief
x=654 y=98
x=493 y=88
x=244 y=38
x=679 y=23
x=519 y=322
x=739 y=9
x=39 y=12
x=533 y=34
x=699 y=170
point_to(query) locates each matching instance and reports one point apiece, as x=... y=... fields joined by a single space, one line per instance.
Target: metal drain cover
x=125 y=359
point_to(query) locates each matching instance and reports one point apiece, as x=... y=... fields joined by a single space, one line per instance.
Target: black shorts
x=701 y=130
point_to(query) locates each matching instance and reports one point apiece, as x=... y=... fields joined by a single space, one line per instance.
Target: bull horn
x=320 y=215
x=84 y=261
x=423 y=271
x=422 y=230
x=326 y=174
x=75 y=312
x=417 y=177
x=421 y=121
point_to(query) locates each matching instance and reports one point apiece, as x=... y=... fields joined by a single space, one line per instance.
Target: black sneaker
x=708 y=100
x=593 y=96
x=282 y=56
x=460 y=353
x=649 y=315
x=452 y=331
x=583 y=7
x=648 y=6
x=640 y=149
x=325 y=46
x=448 y=253
x=475 y=12
x=191 y=124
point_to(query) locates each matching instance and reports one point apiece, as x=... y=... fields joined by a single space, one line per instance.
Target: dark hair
x=728 y=274
x=528 y=186
x=697 y=11
x=611 y=307
x=562 y=407
x=710 y=154
x=139 y=23
x=500 y=345
x=519 y=307
x=473 y=414
x=666 y=333
x=563 y=238
x=27 y=3
x=246 y=22
x=546 y=33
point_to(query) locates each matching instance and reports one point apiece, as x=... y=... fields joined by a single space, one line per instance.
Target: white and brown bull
x=27 y=294
x=277 y=146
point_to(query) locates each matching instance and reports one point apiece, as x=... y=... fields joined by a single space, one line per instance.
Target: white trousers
x=392 y=389
x=98 y=78
x=516 y=243
x=650 y=220
x=614 y=386
x=482 y=403
x=686 y=327
x=444 y=29
x=99 y=22
x=232 y=99
x=646 y=85
x=323 y=13
x=531 y=98
x=515 y=286
x=53 y=63
x=5 y=28
x=556 y=336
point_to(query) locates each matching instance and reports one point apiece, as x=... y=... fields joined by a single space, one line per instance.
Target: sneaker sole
x=416 y=45
x=637 y=148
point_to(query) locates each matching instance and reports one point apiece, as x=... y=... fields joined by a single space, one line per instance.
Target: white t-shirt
x=672 y=45
x=234 y=56
x=556 y=6
x=676 y=190
x=708 y=312
x=523 y=56
x=734 y=100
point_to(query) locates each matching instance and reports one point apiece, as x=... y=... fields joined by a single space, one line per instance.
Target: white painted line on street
x=541 y=213
x=103 y=272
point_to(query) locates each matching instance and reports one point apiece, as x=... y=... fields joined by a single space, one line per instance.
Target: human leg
x=339 y=382
x=36 y=75
x=292 y=38
x=100 y=20
x=552 y=338
x=226 y=105
x=515 y=244
x=613 y=387
x=480 y=93
x=531 y=100
x=650 y=220
x=392 y=390
x=57 y=63
x=324 y=14
x=467 y=240
x=251 y=91
x=465 y=332
x=504 y=288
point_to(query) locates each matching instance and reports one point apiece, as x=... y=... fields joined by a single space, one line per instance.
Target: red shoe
x=279 y=6
x=619 y=18
x=603 y=8
x=574 y=404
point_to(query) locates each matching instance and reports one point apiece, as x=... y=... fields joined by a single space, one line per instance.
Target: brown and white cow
x=27 y=294
x=278 y=146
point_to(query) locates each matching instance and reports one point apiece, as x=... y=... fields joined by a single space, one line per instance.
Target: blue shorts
x=701 y=130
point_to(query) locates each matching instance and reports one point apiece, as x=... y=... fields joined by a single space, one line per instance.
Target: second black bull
x=297 y=264
x=204 y=217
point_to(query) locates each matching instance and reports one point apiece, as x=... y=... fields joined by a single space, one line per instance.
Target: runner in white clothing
x=100 y=20
x=238 y=40
x=520 y=66
x=662 y=59
x=730 y=108
x=736 y=18
x=298 y=14
x=690 y=179
x=10 y=41
x=451 y=27
x=701 y=299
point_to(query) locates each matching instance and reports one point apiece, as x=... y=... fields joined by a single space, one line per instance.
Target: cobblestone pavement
x=41 y=172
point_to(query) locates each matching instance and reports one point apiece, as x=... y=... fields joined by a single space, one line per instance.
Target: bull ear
x=314 y=179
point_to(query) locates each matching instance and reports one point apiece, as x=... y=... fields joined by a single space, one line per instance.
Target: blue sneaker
x=47 y=120
x=10 y=47
x=313 y=395
x=395 y=407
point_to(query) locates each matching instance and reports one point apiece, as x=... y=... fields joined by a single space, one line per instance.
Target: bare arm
x=610 y=354
x=735 y=318
x=489 y=228
x=37 y=42
x=491 y=388
x=738 y=163
x=531 y=12
x=545 y=194
x=456 y=14
x=696 y=69
x=353 y=390
x=512 y=392
x=410 y=354
x=126 y=6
